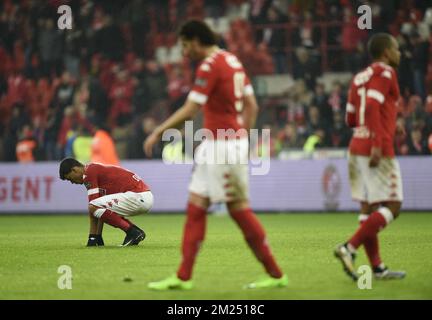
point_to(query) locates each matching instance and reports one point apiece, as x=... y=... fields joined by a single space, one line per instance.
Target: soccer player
x=113 y=193
x=374 y=172
x=224 y=94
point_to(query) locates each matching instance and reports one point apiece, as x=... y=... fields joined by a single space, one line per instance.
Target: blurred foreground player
x=374 y=172
x=113 y=193
x=224 y=94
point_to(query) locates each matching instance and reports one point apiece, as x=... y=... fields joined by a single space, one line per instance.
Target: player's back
x=374 y=87
x=112 y=179
x=222 y=82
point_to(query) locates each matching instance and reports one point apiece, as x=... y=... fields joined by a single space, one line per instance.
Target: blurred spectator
x=288 y=138
x=314 y=141
x=121 y=136
x=97 y=102
x=26 y=146
x=401 y=146
x=108 y=40
x=320 y=99
x=121 y=97
x=308 y=34
x=429 y=141
x=305 y=68
x=416 y=144
x=18 y=121
x=136 y=13
x=178 y=88
x=64 y=93
x=82 y=145
x=151 y=88
x=142 y=129
x=316 y=122
x=420 y=57
x=337 y=98
x=75 y=45
x=275 y=38
x=351 y=34
x=103 y=149
x=339 y=133
x=50 y=43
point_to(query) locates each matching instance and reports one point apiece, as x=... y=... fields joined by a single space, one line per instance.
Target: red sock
x=368 y=229
x=256 y=238
x=372 y=249
x=113 y=219
x=193 y=236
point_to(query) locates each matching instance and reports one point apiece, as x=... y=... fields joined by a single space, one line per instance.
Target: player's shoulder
x=377 y=70
x=220 y=59
x=383 y=70
x=93 y=168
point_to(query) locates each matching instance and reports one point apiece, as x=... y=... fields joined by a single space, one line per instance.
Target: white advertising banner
x=294 y=185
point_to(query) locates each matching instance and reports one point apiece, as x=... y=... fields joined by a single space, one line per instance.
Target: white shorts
x=375 y=185
x=126 y=204
x=220 y=170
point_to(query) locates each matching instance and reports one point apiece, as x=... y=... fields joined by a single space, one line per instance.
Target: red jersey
x=101 y=180
x=372 y=109
x=220 y=85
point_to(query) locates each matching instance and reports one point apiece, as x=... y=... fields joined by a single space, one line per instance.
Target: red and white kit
x=372 y=111
x=221 y=170
x=117 y=189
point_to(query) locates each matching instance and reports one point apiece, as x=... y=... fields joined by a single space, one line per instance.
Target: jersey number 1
x=362 y=93
x=238 y=79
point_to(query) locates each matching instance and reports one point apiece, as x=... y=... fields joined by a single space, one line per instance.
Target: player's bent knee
x=92 y=209
x=394 y=207
x=146 y=201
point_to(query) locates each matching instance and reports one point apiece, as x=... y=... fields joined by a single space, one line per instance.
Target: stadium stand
x=121 y=66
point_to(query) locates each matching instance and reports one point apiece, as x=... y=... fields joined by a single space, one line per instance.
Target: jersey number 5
x=239 y=79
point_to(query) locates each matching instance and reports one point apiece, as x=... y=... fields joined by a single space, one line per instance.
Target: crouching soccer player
x=114 y=193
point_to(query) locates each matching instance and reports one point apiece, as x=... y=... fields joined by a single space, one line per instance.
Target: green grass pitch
x=33 y=247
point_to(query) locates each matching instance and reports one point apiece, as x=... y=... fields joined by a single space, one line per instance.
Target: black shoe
x=134 y=236
x=383 y=273
x=347 y=258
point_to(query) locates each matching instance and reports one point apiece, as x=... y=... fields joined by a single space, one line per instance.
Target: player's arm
x=186 y=112
x=96 y=226
x=375 y=98
x=350 y=114
x=250 y=111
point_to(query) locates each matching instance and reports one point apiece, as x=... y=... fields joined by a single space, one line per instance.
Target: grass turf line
x=33 y=247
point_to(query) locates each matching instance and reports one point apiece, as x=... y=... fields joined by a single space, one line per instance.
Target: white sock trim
x=363 y=217
x=350 y=248
x=386 y=213
x=99 y=212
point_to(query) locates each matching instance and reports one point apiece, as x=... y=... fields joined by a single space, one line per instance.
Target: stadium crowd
x=119 y=69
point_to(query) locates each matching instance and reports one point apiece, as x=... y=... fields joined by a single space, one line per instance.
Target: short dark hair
x=197 y=29
x=66 y=166
x=378 y=43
